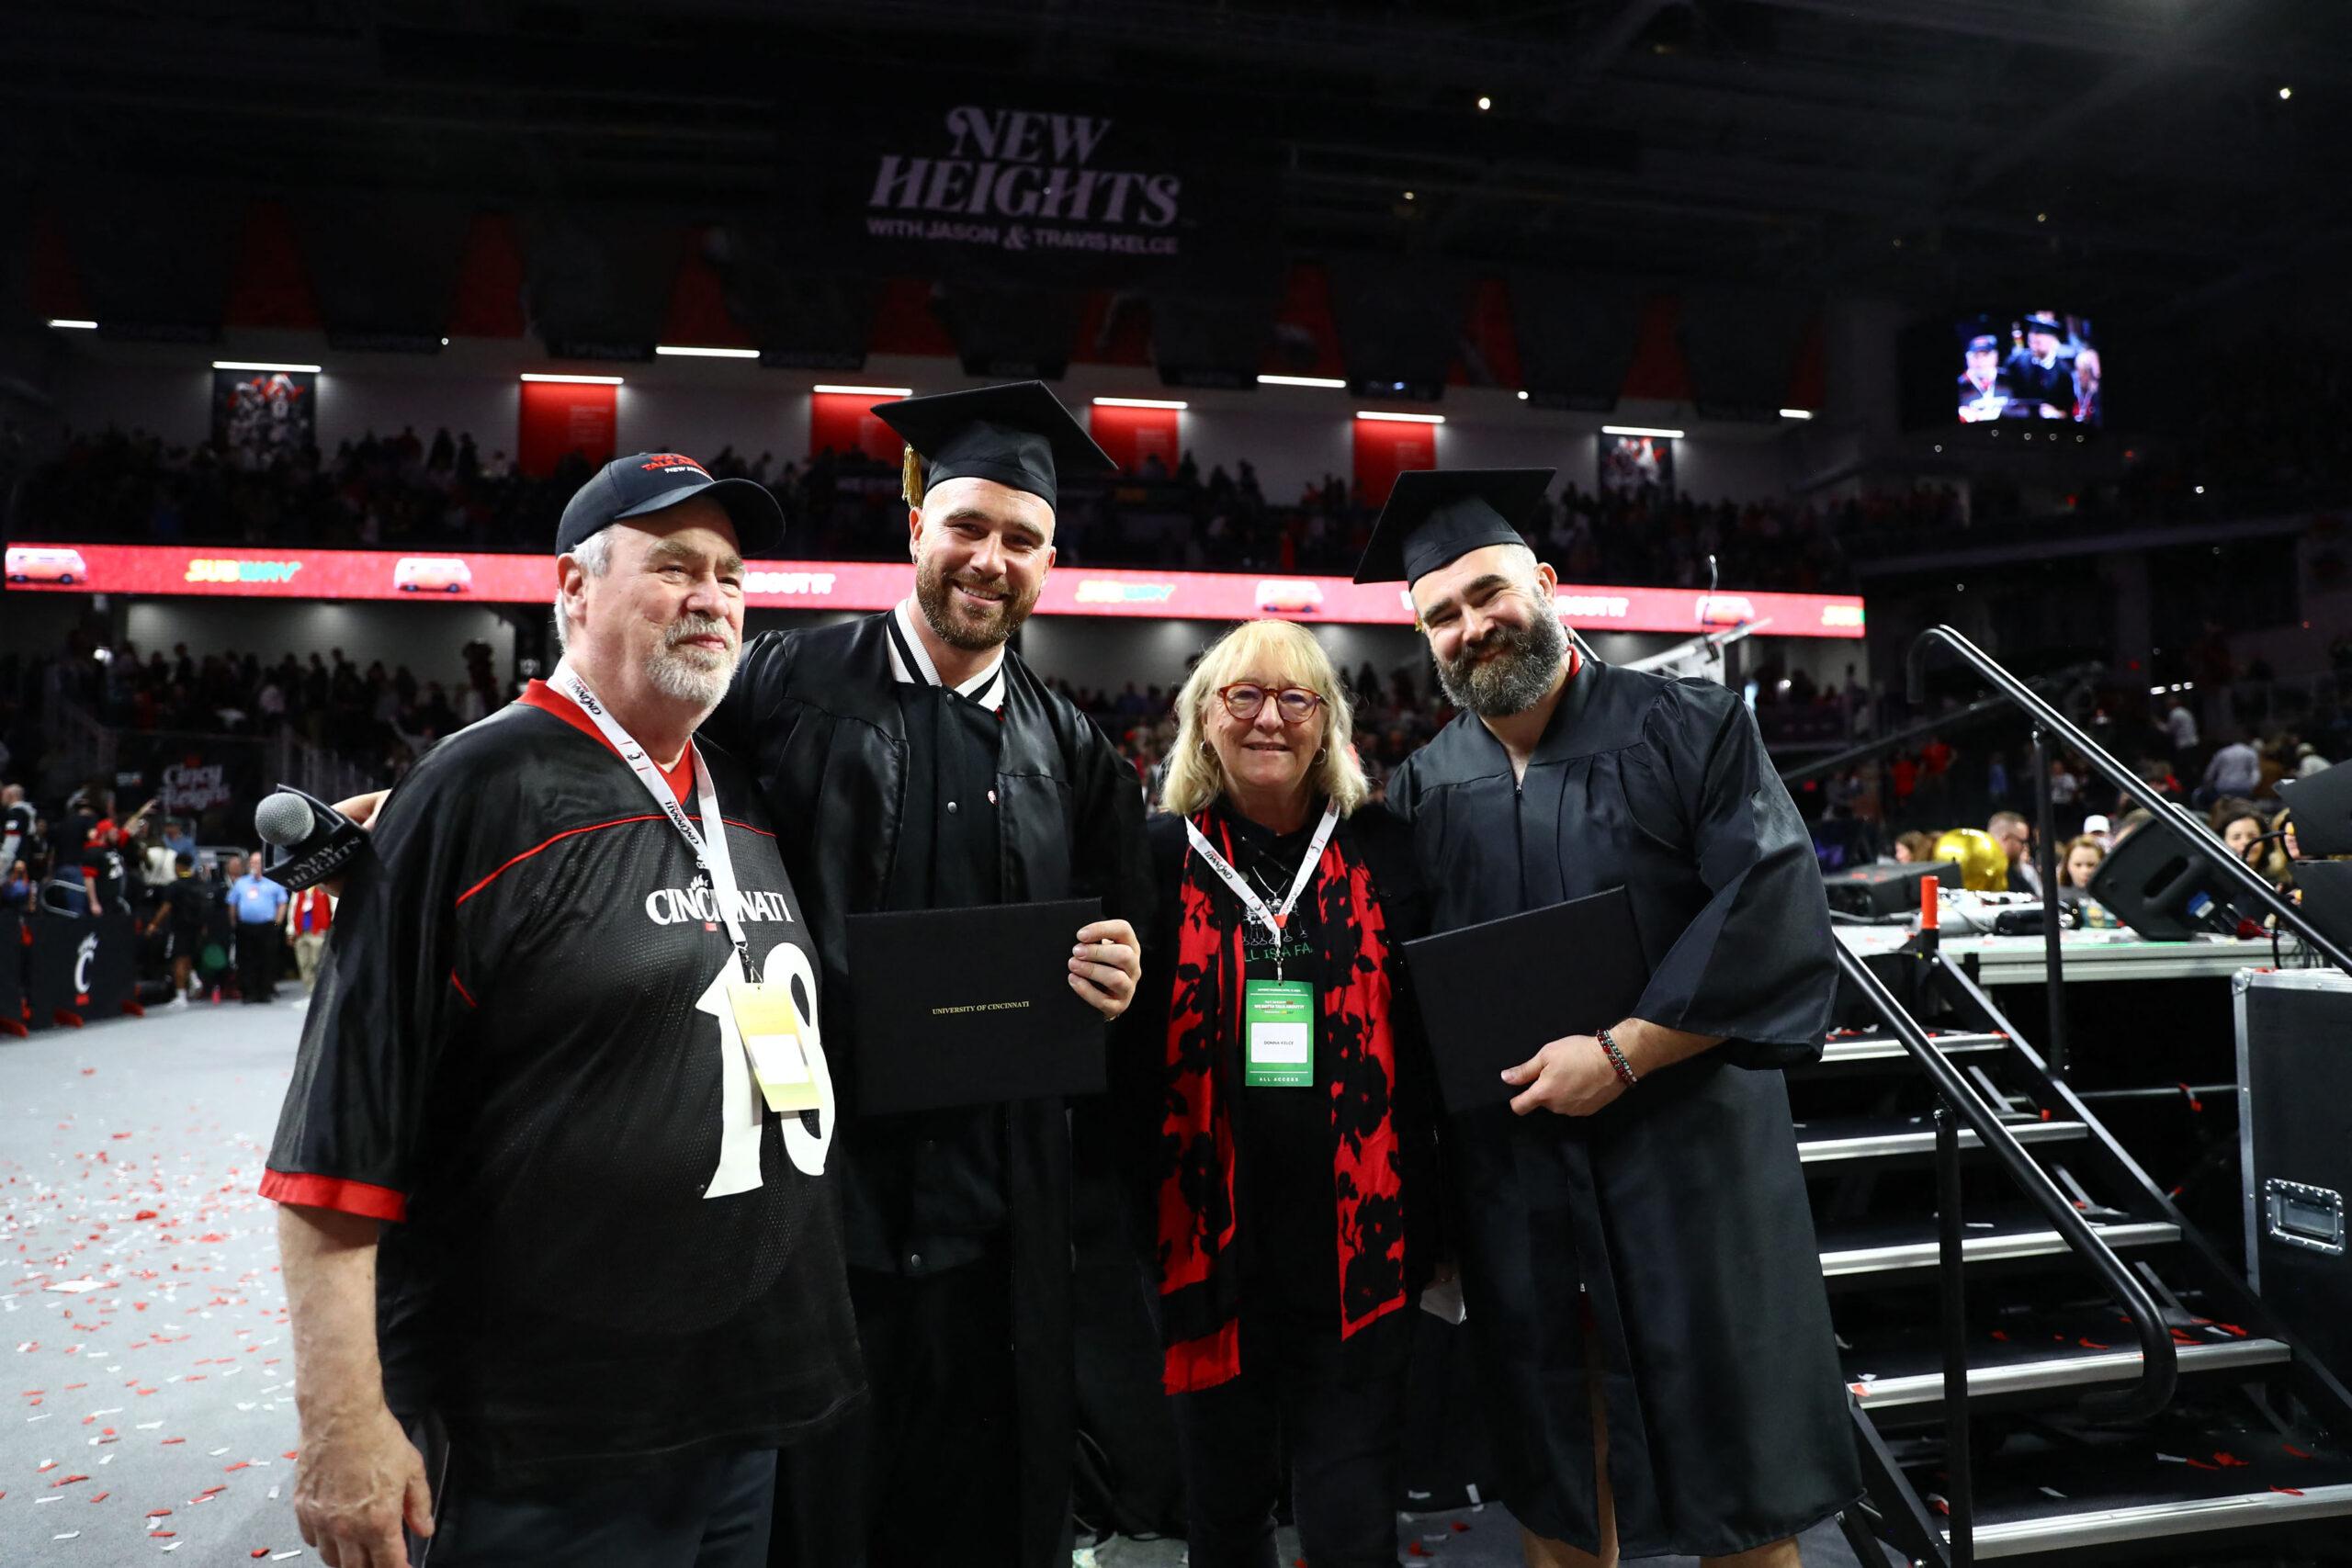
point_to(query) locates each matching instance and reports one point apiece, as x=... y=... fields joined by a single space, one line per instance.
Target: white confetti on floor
x=141 y=1267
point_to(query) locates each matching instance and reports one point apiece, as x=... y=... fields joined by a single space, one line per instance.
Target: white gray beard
x=680 y=676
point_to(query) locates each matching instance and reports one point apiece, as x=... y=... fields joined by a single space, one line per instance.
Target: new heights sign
x=1017 y=189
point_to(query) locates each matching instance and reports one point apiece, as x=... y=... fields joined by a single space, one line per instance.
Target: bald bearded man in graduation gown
x=1650 y=1245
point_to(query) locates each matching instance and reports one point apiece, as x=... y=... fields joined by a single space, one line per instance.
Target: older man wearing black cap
x=918 y=763
x=1638 y=1255
x=1983 y=391
x=563 y=1265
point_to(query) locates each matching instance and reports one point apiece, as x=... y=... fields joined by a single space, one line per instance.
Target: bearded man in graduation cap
x=914 y=762
x=1645 y=1295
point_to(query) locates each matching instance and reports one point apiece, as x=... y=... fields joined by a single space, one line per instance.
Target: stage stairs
x=2069 y=1450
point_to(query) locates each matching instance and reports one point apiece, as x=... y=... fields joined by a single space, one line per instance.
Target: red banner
x=1386 y=448
x=563 y=417
x=1132 y=435
x=877 y=585
x=841 y=421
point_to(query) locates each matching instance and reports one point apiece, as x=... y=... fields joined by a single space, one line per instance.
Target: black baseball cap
x=655 y=481
x=1017 y=435
x=1434 y=516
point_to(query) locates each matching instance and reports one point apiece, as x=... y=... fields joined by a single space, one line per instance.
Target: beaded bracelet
x=1617 y=1060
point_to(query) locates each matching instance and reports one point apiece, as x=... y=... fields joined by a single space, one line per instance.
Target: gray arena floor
x=148 y=1409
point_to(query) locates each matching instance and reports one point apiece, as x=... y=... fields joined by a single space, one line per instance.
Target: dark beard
x=931 y=590
x=1516 y=678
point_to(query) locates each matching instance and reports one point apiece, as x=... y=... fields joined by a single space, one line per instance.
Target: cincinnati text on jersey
x=668 y=905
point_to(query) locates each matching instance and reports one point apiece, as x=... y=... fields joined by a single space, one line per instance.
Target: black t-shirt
x=925 y=1191
x=1284 y=1171
x=520 y=1049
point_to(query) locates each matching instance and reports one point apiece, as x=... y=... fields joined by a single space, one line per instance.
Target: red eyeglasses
x=1244 y=698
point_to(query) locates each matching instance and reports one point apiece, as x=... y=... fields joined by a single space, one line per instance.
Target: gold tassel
x=910 y=478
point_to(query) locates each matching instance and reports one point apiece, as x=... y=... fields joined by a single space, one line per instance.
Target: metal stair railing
x=2158 y=1373
x=2171 y=816
x=2159 y=1365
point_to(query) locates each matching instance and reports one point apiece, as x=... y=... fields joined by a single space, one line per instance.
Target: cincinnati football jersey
x=600 y=1245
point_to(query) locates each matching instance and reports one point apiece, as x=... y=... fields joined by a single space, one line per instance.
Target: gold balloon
x=1984 y=865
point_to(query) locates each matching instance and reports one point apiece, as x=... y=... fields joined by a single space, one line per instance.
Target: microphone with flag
x=313 y=841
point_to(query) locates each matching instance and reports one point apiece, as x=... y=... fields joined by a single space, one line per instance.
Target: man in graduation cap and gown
x=914 y=762
x=1645 y=1295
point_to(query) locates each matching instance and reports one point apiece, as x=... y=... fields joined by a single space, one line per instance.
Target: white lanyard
x=708 y=841
x=1272 y=919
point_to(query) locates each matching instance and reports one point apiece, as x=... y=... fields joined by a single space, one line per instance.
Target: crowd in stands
x=1902 y=807
x=444 y=493
x=378 y=718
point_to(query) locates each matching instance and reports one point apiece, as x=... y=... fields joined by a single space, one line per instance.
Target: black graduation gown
x=818 y=715
x=1680 y=1209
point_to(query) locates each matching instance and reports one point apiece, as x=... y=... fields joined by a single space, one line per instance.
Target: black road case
x=2294 y=1030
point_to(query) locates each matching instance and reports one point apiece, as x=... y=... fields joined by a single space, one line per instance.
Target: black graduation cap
x=1436 y=516
x=1017 y=435
x=2042 y=321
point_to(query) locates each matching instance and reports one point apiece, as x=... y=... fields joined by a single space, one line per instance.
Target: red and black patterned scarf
x=1199 y=1288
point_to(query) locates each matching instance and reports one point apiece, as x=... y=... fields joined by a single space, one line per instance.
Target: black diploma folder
x=1493 y=994
x=969 y=1007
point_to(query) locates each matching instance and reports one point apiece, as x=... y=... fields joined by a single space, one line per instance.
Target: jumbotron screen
x=2036 y=366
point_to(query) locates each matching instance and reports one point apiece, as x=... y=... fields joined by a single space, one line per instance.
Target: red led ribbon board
x=877 y=585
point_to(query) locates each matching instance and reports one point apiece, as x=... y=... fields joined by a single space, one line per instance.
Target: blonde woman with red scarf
x=1291 y=1182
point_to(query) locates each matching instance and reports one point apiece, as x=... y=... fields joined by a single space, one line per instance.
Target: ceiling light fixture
x=263 y=364
x=681 y=351
x=1140 y=404
x=1401 y=418
x=832 y=391
x=574 y=380
x=1332 y=382
x=1641 y=430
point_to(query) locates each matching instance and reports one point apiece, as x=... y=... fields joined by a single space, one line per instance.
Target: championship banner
x=877 y=585
x=558 y=418
x=1131 y=437
x=1384 y=448
x=261 y=416
x=1631 y=464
